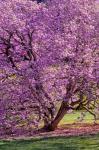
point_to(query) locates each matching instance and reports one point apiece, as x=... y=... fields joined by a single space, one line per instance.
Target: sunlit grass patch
x=74 y=118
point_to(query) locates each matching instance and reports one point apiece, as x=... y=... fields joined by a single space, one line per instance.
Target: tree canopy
x=48 y=53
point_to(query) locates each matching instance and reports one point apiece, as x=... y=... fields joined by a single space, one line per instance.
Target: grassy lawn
x=59 y=143
x=72 y=118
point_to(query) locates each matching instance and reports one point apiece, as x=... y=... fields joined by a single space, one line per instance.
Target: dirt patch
x=65 y=130
x=73 y=130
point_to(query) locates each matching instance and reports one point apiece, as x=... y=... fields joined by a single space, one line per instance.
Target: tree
x=48 y=53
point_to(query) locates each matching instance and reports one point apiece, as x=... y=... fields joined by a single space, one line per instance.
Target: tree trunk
x=62 y=111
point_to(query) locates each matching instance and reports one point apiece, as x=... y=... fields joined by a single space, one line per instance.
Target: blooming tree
x=48 y=53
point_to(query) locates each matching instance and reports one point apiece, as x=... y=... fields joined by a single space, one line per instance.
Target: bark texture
x=62 y=111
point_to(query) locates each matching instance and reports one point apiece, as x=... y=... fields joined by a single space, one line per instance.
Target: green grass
x=59 y=143
x=72 y=118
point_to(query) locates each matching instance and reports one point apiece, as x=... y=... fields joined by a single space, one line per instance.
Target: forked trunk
x=62 y=111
